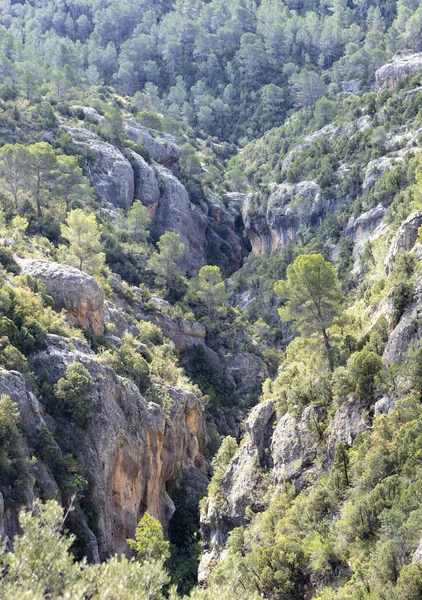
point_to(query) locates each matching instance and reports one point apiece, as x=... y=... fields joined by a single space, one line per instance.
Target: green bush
x=74 y=389
x=364 y=369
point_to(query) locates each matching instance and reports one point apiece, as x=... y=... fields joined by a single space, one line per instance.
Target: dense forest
x=210 y=299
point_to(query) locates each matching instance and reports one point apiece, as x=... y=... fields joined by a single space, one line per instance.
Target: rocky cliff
x=401 y=66
x=120 y=176
x=130 y=452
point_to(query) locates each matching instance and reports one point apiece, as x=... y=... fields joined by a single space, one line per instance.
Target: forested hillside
x=210 y=299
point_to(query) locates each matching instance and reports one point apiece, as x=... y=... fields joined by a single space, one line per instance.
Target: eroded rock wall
x=129 y=453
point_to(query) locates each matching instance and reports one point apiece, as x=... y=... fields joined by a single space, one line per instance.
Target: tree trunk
x=329 y=350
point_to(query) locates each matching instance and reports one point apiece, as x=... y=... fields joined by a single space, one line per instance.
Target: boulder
x=72 y=290
x=405 y=239
x=403 y=65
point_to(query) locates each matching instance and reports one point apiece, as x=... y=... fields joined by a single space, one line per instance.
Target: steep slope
x=318 y=500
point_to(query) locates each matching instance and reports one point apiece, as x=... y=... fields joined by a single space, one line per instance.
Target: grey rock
x=160 y=302
x=363 y=225
x=294 y=447
x=328 y=131
x=31 y=419
x=417 y=557
x=246 y=372
x=384 y=406
x=175 y=212
x=401 y=66
x=405 y=239
x=163 y=148
x=116 y=318
x=408 y=332
x=260 y=427
x=345 y=425
x=146 y=184
x=108 y=170
x=72 y=290
x=183 y=333
x=89 y=113
x=376 y=169
x=276 y=222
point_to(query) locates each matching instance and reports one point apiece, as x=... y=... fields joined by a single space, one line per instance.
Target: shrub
x=75 y=391
x=364 y=367
x=8 y=262
x=9 y=418
x=149 y=542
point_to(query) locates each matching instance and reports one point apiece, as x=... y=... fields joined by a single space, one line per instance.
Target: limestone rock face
x=401 y=66
x=183 y=333
x=246 y=372
x=130 y=450
x=242 y=485
x=175 y=212
x=417 y=557
x=163 y=148
x=407 y=331
x=31 y=422
x=108 y=170
x=294 y=447
x=12 y=384
x=345 y=425
x=146 y=184
x=375 y=169
x=404 y=239
x=367 y=227
x=259 y=427
x=288 y=208
x=71 y=289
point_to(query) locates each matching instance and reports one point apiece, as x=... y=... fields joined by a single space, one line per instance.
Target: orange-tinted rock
x=76 y=292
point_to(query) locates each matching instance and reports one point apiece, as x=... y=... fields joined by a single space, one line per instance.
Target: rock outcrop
x=417 y=557
x=345 y=425
x=407 y=332
x=405 y=239
x=162 y=147
x=376 y=169
x=294 y=447
x=131 y=449
x=108 y=170
x=275 y=223
x=241 y=486
x=76 y=292
x=275 y=451
x=401 y=66
x=147 y=189
x=175 y=212
x=183 y=333
x=246 y=372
